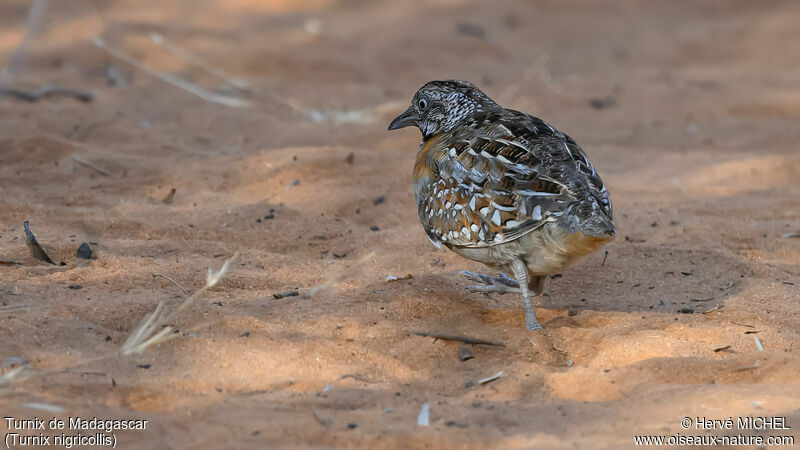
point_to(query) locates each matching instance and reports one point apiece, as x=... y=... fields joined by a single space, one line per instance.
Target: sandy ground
x=688 y=109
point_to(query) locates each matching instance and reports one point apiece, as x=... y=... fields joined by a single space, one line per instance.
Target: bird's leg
x=500 y=285
x=528 y=286
x=521 y=274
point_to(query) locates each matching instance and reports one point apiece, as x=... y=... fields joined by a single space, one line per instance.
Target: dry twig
x=44 y=92
x=452 y=337
x=85 y=163
x=33 y=245
x=491 y=378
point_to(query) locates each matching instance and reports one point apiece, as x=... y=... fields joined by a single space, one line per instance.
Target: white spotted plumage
x=499 y=174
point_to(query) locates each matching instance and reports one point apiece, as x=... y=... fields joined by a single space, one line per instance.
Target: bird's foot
x=530 y=320
x=500 y=285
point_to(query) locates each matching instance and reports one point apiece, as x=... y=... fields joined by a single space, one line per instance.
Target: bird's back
x=503 y=175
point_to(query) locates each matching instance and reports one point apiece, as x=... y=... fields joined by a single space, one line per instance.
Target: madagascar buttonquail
x=503 y=188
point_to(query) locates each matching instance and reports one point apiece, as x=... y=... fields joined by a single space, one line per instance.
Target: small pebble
x=84 y=251
x=603 y=103
x=423 y=419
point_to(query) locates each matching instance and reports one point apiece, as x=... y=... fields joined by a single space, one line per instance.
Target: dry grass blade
x=153 y=329
x=16 y=308
x=142 y=332
x=357 y=116
x=44 y=407
x=758 y=343
x=36 y=22
x=173 y=282
x=140 y=347
x=191 y=58
x=8 y=377
x=172 y=79
x=213 y=277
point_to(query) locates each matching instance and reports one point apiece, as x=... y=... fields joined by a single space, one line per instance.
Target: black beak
x=408 y=118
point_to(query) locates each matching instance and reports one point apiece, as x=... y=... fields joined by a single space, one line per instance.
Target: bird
x=503 y=188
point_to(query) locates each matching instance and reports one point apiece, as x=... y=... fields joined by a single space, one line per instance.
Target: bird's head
x=440 y=106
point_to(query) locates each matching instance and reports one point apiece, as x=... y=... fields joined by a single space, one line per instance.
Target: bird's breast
x=425 y=173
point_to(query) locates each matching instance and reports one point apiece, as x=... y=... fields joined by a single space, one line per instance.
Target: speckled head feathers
x=440 y=106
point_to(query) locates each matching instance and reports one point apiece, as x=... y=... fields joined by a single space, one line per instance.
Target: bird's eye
x=422 y=103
